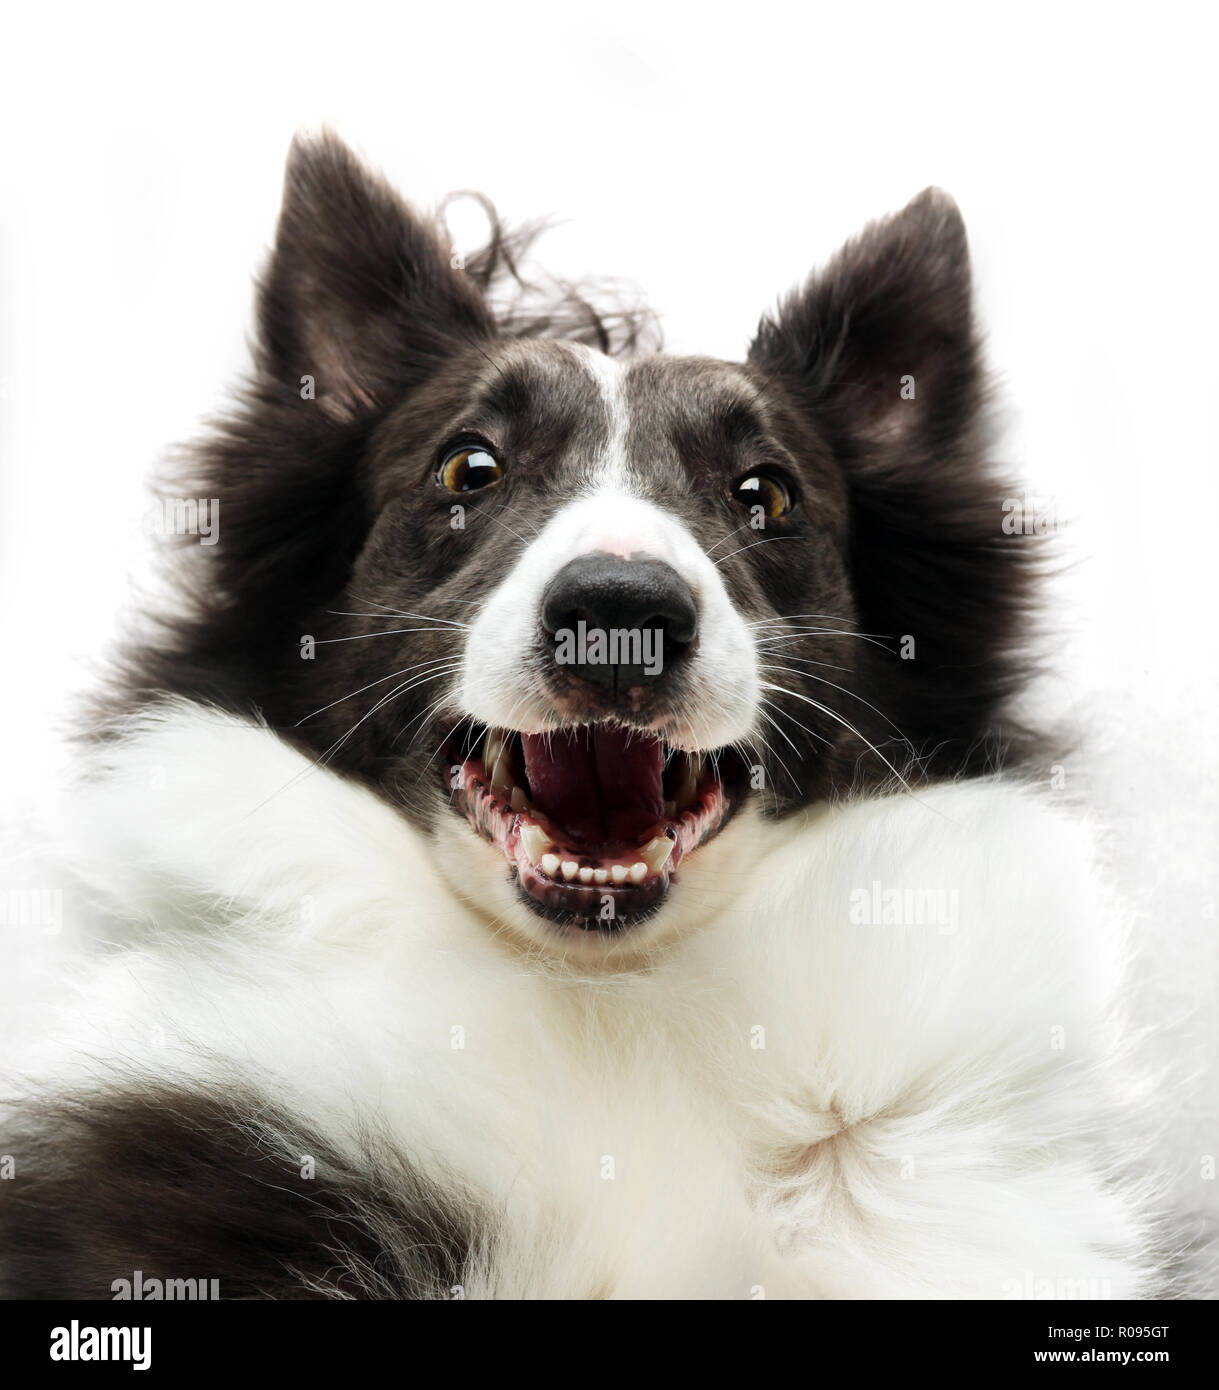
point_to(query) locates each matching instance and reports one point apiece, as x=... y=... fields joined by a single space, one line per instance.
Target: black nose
x=618 y=623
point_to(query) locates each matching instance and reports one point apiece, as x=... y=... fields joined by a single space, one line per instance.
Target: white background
x=713 y=156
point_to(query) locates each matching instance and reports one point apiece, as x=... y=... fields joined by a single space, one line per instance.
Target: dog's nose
x=619 y=623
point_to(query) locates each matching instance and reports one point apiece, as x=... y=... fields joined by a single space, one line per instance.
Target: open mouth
x=594 y=821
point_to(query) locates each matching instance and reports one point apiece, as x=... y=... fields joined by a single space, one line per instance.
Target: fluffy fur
x=771 y=1085
x=926 y=1111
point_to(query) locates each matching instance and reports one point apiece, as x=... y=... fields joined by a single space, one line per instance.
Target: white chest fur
x=885 y=1063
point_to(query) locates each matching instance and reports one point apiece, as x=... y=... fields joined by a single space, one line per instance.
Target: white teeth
x=534 y=839
x=586 y=875
x=638 y=872
x=656 y=853
x=500 y=763
x=601 y=875
x=550 y=864
x=618 y=872
x=570 y=868
x=493 y=747
x=519 y=799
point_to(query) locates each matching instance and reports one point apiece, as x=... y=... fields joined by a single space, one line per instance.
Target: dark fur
x=927 y=553
x=332 y=523
x=184 y=1184
x=330 y=506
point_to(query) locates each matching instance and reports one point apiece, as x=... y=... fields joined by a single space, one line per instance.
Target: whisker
x=787 y=714
x=874 y=639
x=419 y=665
x=325 y=757
x=724 y=539
x=747 y=751
x=838 y=719
x=766 y=541
x=360 y=636
x=447 y=738
x=398 y=690
x=798 y=617
x=774 y=754
x=401 y=613
x=808 y=675
x=490 y=516
x=421 y=719
x=808 y=661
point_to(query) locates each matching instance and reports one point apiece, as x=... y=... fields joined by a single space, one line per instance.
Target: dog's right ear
x=359 y=296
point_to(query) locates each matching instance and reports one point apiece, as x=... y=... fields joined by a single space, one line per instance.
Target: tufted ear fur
x=359 y=293
x=880 y=351
x=881 y=343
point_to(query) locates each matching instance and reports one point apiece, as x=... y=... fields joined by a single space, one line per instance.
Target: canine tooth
x=601 y=875
x=618 y=872
x=656 y=853
x=500 y=764
x=638 y=872
x=493 y=747
x=586 y=875
x=534 y=839
x=687 y=783
x=570 y=868
x=550 y=864
x=519 y=799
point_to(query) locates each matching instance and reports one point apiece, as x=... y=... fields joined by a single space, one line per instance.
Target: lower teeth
x=534 y=840
x=656 y=852
x=499 y=761
x=652 y=859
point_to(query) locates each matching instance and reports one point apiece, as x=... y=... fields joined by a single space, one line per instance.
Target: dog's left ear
x=880 y=351
x=359 y=296
x=880 y=345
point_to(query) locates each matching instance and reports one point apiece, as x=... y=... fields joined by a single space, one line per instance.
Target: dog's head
x=571 y=612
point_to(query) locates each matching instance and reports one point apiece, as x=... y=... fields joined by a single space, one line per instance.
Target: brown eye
x=765 y=490
x=469 y=468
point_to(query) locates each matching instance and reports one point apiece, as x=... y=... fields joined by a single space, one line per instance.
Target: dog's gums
x=594 y=822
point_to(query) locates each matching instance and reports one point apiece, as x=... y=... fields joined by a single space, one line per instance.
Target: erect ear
x=359 y=295
x=880 y=345
x=880 y=349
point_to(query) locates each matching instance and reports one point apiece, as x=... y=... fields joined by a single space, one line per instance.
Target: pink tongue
x=599 y=785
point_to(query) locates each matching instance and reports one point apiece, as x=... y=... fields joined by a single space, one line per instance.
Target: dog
x=565 y=834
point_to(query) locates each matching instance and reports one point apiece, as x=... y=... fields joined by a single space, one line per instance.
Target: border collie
x=566 y=835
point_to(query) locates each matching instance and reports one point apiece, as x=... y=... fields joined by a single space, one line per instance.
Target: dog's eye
x=765 y=490
x=469 y=468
